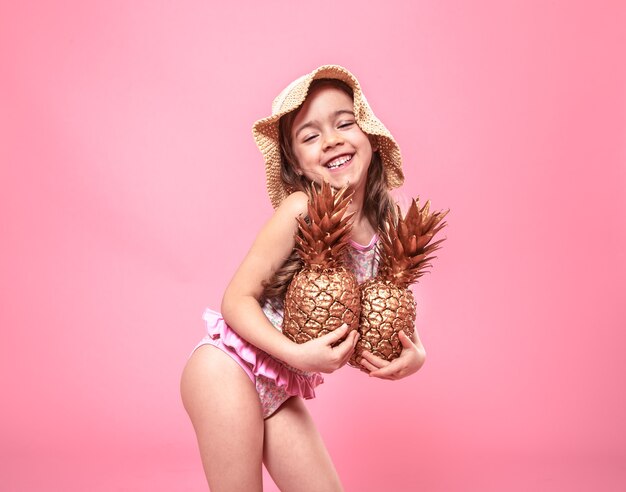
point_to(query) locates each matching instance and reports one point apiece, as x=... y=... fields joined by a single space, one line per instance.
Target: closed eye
x=347 y=124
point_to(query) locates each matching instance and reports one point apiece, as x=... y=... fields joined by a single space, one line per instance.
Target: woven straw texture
x=265 y=131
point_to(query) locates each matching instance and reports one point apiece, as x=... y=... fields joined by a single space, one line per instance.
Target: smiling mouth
x=339 y=162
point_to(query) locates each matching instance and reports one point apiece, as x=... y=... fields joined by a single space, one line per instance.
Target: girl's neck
x=362 y=229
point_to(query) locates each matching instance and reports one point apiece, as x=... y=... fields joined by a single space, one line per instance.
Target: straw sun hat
x=265 y=131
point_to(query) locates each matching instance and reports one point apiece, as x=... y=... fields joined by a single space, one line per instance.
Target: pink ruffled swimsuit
x=274 y=380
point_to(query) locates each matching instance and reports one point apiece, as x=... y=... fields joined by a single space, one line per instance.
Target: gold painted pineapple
x=323 y=295
x=387 y=303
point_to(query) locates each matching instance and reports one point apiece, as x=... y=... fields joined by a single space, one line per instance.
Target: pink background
x=131 y=189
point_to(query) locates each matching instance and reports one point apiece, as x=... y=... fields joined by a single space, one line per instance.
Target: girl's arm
x=240 y=305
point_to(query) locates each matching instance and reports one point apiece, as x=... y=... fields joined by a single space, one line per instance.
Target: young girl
x=321 y=129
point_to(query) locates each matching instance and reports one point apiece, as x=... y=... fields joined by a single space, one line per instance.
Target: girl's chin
x=339 y=183
x=334 y=181
x=337 y=180
x=347 y=180
x=341 y=176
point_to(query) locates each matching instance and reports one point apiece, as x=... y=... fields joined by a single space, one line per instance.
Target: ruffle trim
x=260 y=362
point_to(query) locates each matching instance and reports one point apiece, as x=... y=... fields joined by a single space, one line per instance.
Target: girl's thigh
x=294 y=453
x=226 y=414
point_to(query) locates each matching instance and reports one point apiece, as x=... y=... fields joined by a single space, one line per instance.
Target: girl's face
x=327 y=142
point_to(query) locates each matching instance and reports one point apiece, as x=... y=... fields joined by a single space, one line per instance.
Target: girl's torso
x=362 y=261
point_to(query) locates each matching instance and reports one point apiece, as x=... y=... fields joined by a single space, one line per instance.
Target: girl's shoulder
x=282 y=224
x=294 y=205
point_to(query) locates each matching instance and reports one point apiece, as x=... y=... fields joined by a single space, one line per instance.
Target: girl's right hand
x=319 y=355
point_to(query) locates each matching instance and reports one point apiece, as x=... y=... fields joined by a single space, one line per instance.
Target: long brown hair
x=377 y=203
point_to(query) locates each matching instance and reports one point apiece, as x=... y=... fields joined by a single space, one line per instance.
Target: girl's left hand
x=410 y=360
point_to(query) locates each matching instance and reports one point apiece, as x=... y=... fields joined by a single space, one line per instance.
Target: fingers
x=370 y=362
x=340 y=351
x=336 y=335
x=388 y=372
x=374 y=365
x=415 y=338
x=408 y=363
x=381 y=368
x=374 y=360
x=408 y=342
x=346 y=348
x=367 y=364
x=404 y=339
x=349 y=352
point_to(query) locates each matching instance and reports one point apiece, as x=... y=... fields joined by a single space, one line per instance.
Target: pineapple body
x=385 y=310
x=387 y=303
x=324 y=294
x=319 y=301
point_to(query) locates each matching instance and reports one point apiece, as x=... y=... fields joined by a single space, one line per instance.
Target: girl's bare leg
x=226 y=413
x=294 y=453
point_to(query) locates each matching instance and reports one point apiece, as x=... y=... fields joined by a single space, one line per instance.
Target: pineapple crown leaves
x=405 y=245
x=324 y=237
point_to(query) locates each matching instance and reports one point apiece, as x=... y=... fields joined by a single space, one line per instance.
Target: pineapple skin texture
x=385 y=310
x=319 y=301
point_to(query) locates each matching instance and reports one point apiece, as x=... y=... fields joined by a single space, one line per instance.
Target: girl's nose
x=331 y=139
